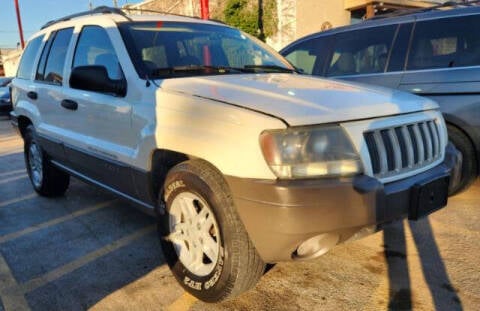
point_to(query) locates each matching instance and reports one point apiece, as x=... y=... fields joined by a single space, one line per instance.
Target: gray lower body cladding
x=279 y=215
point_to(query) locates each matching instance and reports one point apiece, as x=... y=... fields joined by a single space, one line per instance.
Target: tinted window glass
x=56 y=56
x=443 y=43
x=95 y=48
x=309 y=55
x=361 y=51
x=40 y=75
x=26 y=64
x=399 y=50
x=162 y=49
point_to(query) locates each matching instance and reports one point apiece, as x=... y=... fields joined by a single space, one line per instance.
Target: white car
x=243 y=161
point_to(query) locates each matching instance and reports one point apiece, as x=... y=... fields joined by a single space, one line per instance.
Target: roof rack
x=97 y=10
x=423 y=10
x=156 y=11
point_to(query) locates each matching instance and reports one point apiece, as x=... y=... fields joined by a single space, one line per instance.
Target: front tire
x=203 y=239
x=469 y=171
x=46 y=179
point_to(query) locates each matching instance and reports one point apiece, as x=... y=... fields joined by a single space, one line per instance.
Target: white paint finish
x=102 y=123
x=226 y=136
x=302 y=100
x=23 y=105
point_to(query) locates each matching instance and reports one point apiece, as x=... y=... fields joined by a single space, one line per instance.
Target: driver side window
x=95 y=48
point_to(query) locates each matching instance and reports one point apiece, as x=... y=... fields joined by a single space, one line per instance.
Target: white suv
x=244 y=161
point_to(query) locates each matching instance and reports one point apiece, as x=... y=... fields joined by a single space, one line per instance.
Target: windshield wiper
x=269 y=68
x=189 y=70
x=194 y=69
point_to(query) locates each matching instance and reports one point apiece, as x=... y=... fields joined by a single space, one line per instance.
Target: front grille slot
x=403 y=148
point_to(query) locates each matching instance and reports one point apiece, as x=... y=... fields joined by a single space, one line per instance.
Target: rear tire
x=46 y=179
x=195 y=194
x=469 y=171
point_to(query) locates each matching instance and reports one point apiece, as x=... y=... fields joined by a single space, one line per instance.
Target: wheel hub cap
x=194 y=233
x=35 y=164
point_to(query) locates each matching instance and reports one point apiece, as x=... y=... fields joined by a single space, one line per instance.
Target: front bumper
x=279 y=215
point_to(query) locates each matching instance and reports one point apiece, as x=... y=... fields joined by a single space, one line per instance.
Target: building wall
x=313 y=14
x=10 y=59
x=10 y=63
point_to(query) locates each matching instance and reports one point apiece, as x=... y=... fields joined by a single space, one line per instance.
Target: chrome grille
x=403 y=148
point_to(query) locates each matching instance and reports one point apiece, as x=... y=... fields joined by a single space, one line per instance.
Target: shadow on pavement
x=443 y=294
x=71 y=252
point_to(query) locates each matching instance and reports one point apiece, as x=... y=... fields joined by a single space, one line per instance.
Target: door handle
x=69 y=104
x=32 y=95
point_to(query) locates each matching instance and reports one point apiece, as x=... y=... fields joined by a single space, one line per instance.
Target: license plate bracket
x=427 y=197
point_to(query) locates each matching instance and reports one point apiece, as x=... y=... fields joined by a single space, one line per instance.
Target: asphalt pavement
x=92 y=250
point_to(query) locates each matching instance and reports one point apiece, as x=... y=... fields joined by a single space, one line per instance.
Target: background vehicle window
x=399 y=50
x=28 y=57
x=361 y=51
x=310 y=55
x=56 y=56
x=445 y=43
x=95 y=48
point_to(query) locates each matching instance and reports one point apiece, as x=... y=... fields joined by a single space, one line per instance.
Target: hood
x=301 y=100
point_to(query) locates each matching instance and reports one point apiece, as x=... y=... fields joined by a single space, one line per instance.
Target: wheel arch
x=23 y=123
x=468 y=132
x=162 y=161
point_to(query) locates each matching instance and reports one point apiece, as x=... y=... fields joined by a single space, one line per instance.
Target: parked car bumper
x=281 y=215
x=5 y=106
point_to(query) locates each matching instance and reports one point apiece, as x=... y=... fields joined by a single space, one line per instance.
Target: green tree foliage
x=240 y=15
x=244 y=14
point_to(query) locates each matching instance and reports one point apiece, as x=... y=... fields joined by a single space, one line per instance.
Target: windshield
x=176 y=49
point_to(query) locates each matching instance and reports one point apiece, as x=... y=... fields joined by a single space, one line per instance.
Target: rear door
x=50 y=83
x=444 y=65
x=444 y=57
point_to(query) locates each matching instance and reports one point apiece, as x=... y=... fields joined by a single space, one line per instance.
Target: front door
x=101 y=122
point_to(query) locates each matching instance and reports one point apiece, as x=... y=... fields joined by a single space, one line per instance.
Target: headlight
x=310 y=152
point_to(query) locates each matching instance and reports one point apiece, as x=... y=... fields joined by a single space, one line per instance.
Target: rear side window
x=28 y=58
x=309 y=55
x=53 y=57
x=361 y=51
x=95 y=48
x=444 y=43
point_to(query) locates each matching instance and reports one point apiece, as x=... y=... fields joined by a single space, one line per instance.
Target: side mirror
x=95 y=78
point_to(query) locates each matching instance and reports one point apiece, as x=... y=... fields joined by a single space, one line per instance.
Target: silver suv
x=243 y=161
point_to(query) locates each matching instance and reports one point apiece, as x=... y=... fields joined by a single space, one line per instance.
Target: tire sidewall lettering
x=190 y=280
x=174 y=185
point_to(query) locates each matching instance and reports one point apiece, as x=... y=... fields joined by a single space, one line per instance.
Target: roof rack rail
x=97 y=10
x=157 y=11
x=423 y=10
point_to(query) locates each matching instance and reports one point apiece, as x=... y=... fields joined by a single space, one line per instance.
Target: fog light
x=316 y=246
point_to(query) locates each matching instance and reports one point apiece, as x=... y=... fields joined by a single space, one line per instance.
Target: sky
x=35 y=13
